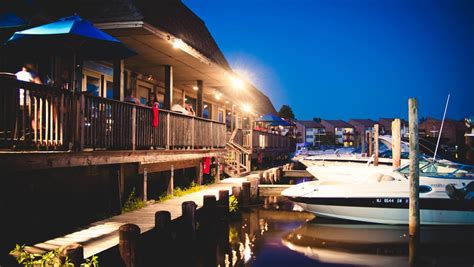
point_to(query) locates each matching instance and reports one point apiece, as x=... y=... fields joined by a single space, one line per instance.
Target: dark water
x=278 y=234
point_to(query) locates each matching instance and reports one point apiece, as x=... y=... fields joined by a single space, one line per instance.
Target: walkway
x=102 y=235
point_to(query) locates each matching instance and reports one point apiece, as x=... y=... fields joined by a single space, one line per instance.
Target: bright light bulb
x=246 y=108
x=237 y=82
x=177 y=43
x=195 y=88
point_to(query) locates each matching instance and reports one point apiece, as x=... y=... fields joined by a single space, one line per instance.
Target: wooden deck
x=102 y=235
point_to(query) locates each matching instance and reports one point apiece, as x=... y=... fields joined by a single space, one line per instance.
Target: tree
x=286 y=112
x=316 y=119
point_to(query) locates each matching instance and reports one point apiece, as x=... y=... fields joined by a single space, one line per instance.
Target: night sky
x=341 y=59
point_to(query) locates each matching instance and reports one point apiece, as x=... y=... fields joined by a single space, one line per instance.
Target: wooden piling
x=223 y=204
x=74 y=252
x=414 y=208
x=266 y=177
x=376 y=144
x=162 y=220
x=210 y=207
x=129 y=236
x=369 y=144
x=236 y=190
x=245 y=195
x=278 y=173
x=362 y=144
x=189 y=219
x=396 y=143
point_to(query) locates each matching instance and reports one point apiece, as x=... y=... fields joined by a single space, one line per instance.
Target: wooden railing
x=238 y=158
x=41 y=117
x=263 y=140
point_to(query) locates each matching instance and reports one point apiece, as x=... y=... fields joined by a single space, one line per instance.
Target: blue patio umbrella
x=69 y=35
x=273 y=120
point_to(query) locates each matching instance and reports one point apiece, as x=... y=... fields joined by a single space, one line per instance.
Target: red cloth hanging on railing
x=206 y=165
x=155 y=115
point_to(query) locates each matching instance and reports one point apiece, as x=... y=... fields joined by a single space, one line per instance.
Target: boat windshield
x=442 y=169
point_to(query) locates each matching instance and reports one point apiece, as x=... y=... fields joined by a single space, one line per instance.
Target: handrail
x=36 y=116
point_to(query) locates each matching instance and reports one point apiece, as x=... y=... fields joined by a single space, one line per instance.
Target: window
x=93 y=85
x=207 y=110
x=220 y=115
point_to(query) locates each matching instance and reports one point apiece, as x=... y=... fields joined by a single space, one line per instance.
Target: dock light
x=195 y=88
x=227 y=102
x=237 y=82
x=246 y=108
x=149 y=77
x=177 y=43
x=218 y=96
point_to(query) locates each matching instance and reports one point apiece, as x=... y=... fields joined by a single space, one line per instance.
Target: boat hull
x=390 y=210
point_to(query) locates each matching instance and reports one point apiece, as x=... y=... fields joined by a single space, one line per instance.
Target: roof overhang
x=157 y=48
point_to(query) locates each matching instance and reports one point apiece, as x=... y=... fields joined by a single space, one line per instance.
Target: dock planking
x=102 y=235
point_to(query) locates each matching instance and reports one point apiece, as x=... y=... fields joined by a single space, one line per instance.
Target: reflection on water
x=276 y=235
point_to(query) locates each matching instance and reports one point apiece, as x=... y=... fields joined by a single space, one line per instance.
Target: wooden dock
x=265 y=190
x=102 y=235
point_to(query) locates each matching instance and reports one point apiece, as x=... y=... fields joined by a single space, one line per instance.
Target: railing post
x=134 y=126
x=81 y=120
x=168 y=126
x=212 y=137
x=193 y=133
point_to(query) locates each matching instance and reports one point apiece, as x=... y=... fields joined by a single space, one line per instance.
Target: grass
x=133 y=203
x=179 y=192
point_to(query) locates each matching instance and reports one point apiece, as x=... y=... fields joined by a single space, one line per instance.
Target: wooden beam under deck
x=26 y=161
x=166 y=166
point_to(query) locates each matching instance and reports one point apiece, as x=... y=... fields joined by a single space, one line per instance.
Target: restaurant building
x=90 y=149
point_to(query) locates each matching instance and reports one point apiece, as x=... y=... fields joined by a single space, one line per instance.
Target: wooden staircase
x=238 y=158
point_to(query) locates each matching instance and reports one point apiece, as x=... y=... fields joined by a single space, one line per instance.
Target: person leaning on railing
x=131 y=99
x=28 y=74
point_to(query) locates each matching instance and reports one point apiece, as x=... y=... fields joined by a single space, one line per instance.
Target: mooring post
x=245 y=194
x=145 y=184
x=396 y=143
x=224 y=203
x=129 y=236
x=162 y=221
x=362 y=144
x=209 y=210
x=369 y=144
x=414 y=208
x=376 y=144
x=75 y=253
x=189 y=219
x=236 y=192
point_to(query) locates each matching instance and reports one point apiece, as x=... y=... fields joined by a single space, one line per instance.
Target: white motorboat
x=446 y=195
x=342 y=156
x=380 y=245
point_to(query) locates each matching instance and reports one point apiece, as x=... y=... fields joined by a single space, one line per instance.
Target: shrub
x=133 y=203
x=50 y=258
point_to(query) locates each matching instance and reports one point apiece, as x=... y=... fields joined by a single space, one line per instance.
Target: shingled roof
x=337 y=123
x=311 y=124
x=362 y=122
x=171 y=16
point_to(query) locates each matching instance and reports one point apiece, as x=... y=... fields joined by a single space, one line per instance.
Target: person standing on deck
x=27 y=74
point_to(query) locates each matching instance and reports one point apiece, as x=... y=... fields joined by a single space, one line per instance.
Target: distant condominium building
x=342 y=132
x=311 y=132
